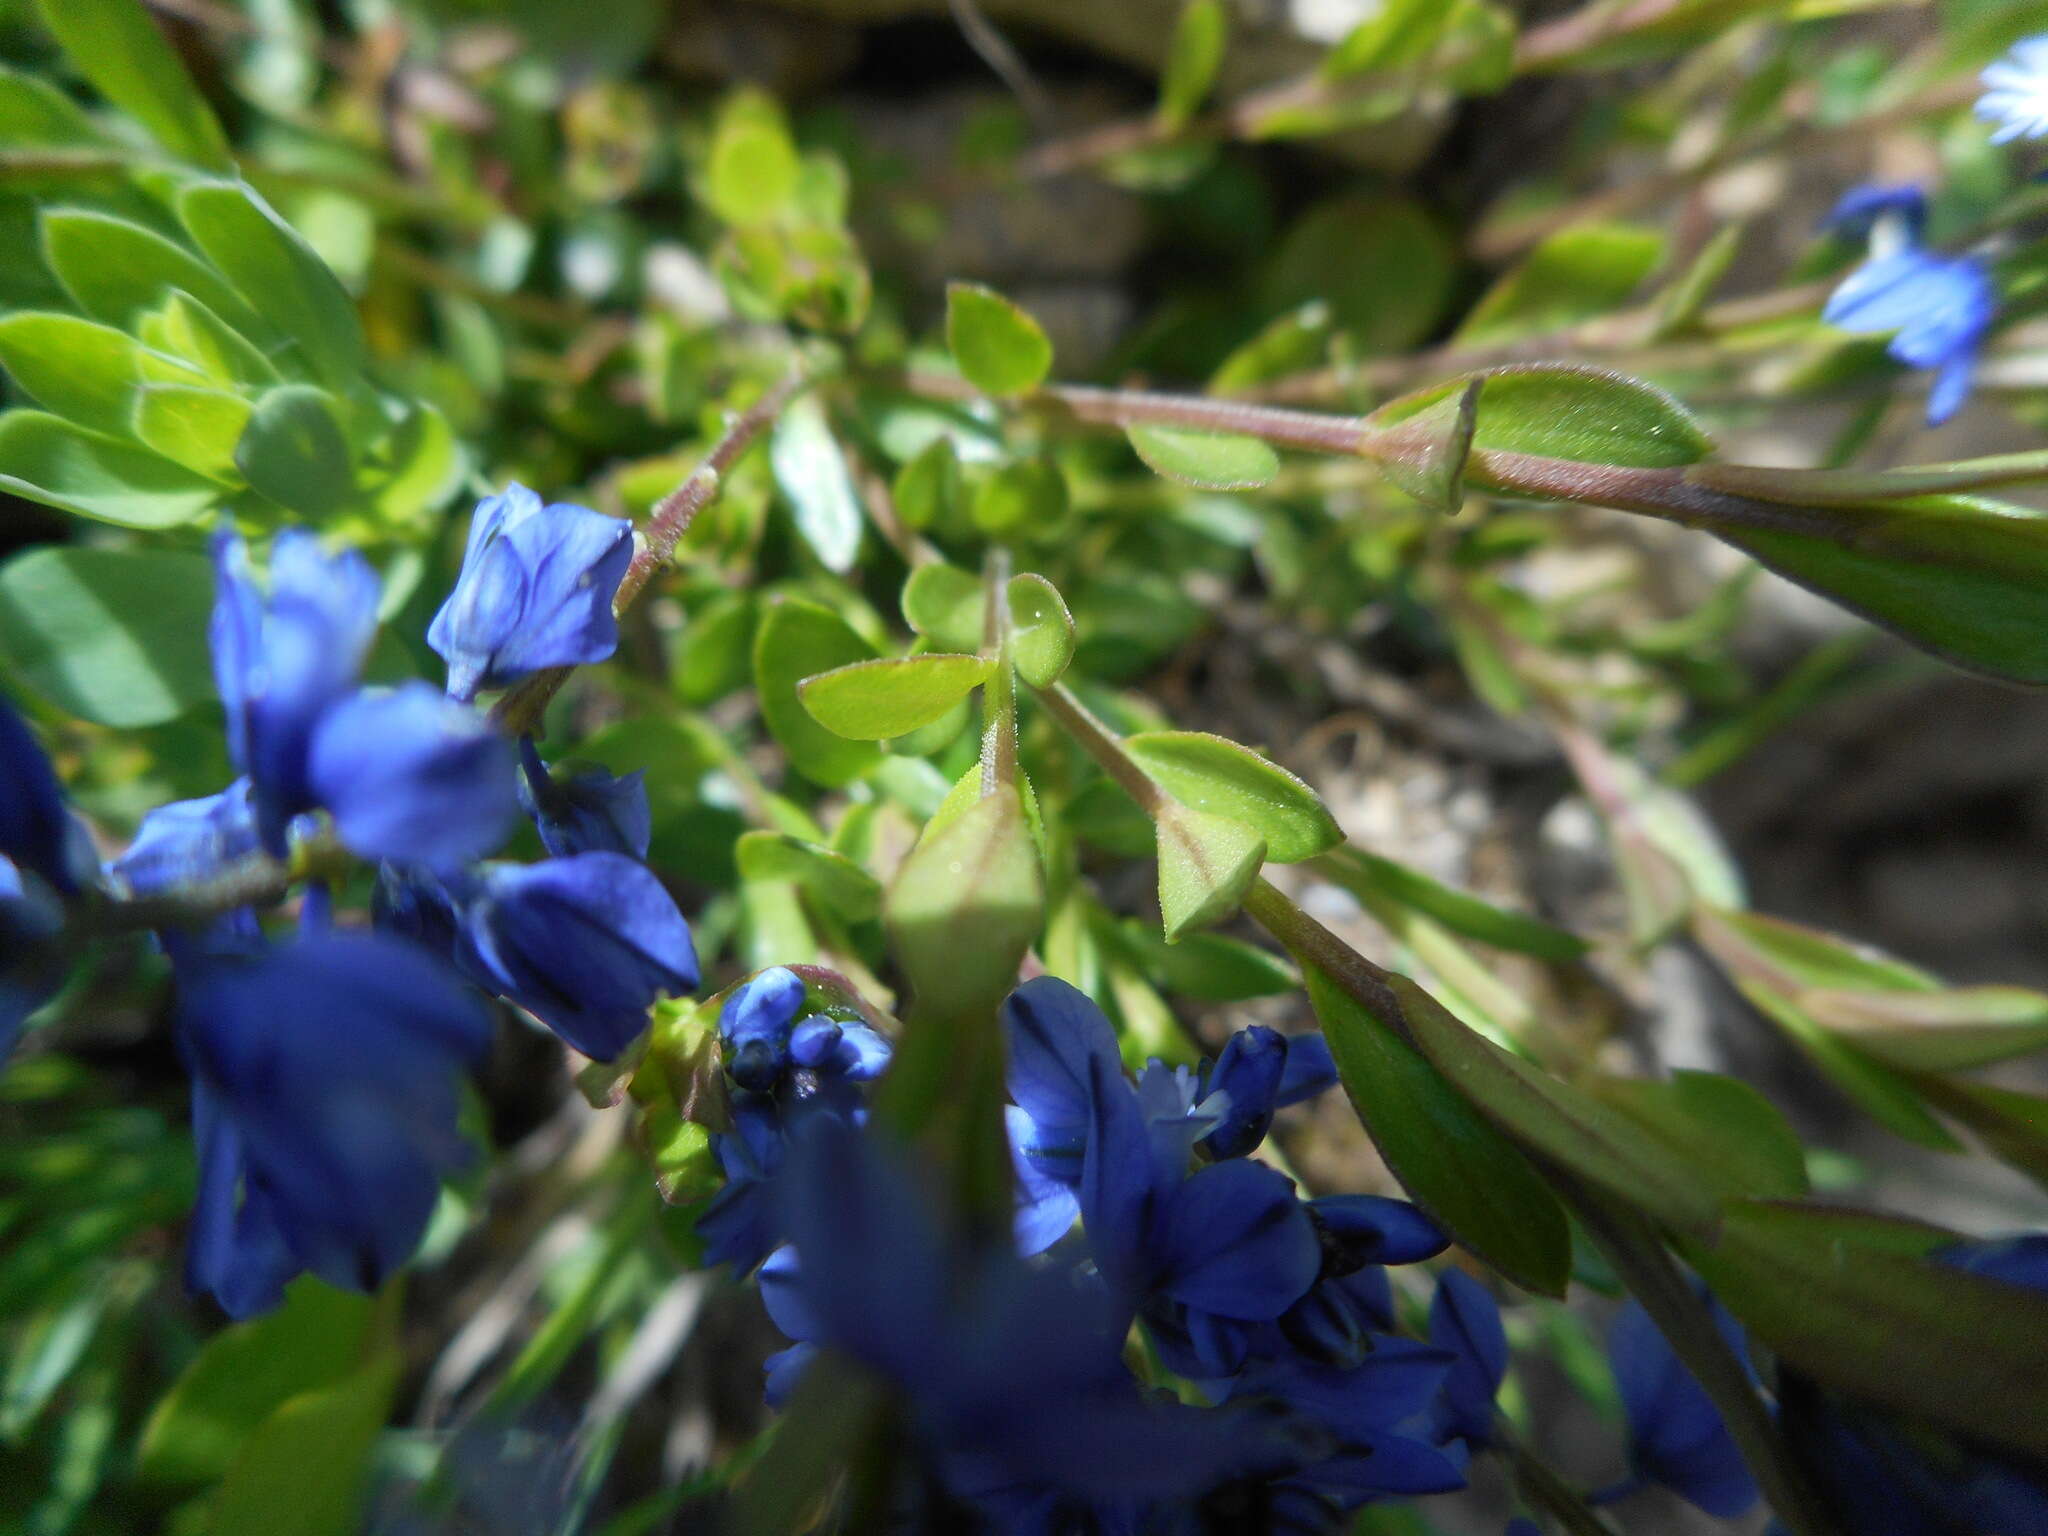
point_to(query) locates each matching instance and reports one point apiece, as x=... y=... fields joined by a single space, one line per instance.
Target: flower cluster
x=1275 y=1310
x=326 y=1067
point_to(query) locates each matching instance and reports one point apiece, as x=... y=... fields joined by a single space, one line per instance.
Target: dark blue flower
x=1938 y=309
x=31 y=965
x=591 y=811
x=743 y=1221
x=188 y=841
x=768 y=1050
x=1464 y=1320
x=1260 y=1071
x=1011 y=1376
x=2015 y=99
x=325 y=1093
x=1676 y=1437
x=1857 y=212
x=411 y=775
x=282 y=657
x=35 y=828
x=585 y=944
x=535 y=591
x=418 y=905
x=1054 y=1034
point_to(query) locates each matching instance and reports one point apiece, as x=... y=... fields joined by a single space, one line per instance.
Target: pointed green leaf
x=810 y=470
x=2013 y=1126
x=1192 y=59
x=1731 y=1134
x=186 y=329
x=1206 y=863
x=1562 y=411
x=116 y=46
x=927 y=488
x=1577 y=274
x=1027 y=499
x=1209 y=967
x=965 y=906
x=35 y=112
x=841 y=886
x=294 y=452
x=1041 y=630
x=945 y=604
x=116 y=270
x=1399 y=33
x=198 y=428
x=1947 y=1031
x=47 y=459
x=999 y=347
x=1358 y=872
x=1425 y=453
x=876 y=700
x=87 y=373
x=1221 y=778
x=115 y=636
x=1474 y=1182
x=1209 y=461
x=305 y=1470
x=797 y=640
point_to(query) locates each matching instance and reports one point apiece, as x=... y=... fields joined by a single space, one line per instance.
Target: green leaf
x=753 y=170
x=1381 y=262
x=1291 y=343
x=841 y=886
x=35 y=112
x=47 y=459
x=86 y=373
x=1209 y=461
x=965 y=906
x=1027 y=499
x=1946 y=1031
x=1474 y=1182
x=1209 y=967
x=305 y=1469
x=1041 y=630
x=248 y=1371
x=115 y=45
x=877 y=700
x=1192 y=59
x=1679 y=305
x=1425 y=453
x=115 y=270
x=1206 y=864
x=1399 y=33
x=797 y=640
x=198 y=428
x=1358 y=872
x=1221 y=778
x=1961 y=576
x=811 y=472
x=1577 y=274
x=1561 y=411
x=1000 y=348
x=184 y=328
x=1960 y=1351
x=1731 y=1134
x=294 y=452
x=713 y=656
x=927 y=488
x=114 y=636
x=945 y=604
x=2013 y=1126
x=276 y=273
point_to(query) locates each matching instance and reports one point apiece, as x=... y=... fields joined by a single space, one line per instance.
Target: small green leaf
x=999 y=347
x=2013 y=1126
x=841 y=886
x=1679 y=305
x=1358 y=871
x=35 y=112
x=116 y=46
x=305 y=1469
x=797 y=640
x=877 y=700
x=1209 y=461
x=1192 y=59
x=1206 y=864
x=1399 y=33
x=186 y=329
x=1026 y=499
x=115 y=636
x=1960 y=1351
x=927 y=488
x=1221 y=778
x=1292 y=343
x=87 y=373
x=1382 y=264
x=294 y=452
x=753 y=170
x=1946 y=1031
x=1577 y=274
x=116 y=270
x=1561 y=411
x=810 y=470
x=276 y=273
x=965 y=906
x=1041 y=630
x=246 y=1373
x=713 y=656
x=1474 y=1183
x=1209 y=967
x=1424 y=454
x=47 y=459
x=1729 y=1132
x=945 y=604
x=198 y=428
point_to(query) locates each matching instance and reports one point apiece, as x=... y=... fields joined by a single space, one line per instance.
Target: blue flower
x=188 y=841
x=31 y=965
x=1676 y=1437
x=767 y=1050
x=535 y=591
x=743 y=1221
x=1054 y=1035
x=1859 y=210
x=325 y=1092
x=2015 y=99
x=411 y=775
x=417 y=905
x=1464 y=1320
x=1938 y=309
x=1011 y=1377
x=36 y=831
x=589 y=812
x=1261 y=1071
x=585 y=944
x=282 y=658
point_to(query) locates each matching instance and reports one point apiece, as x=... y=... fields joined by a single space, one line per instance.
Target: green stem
x=999 y=693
